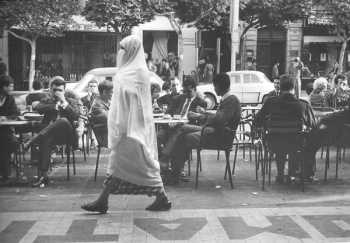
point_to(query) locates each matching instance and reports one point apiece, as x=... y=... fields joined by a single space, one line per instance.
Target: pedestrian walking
x=133 y=162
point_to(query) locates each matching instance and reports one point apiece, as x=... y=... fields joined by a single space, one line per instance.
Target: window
x=250 y=79
x=235 y=79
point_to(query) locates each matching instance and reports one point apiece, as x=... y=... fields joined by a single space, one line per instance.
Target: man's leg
x=280 y=161
x=59 y=132
x=178 y=131
x=185 y=142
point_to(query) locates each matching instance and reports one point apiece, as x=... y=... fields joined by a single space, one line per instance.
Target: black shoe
x=160 y=204
x=95 y=207
x=42 y=182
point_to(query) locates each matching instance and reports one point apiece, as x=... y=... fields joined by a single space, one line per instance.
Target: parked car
x=80 y=87
x=99 y=74
x=249 y=86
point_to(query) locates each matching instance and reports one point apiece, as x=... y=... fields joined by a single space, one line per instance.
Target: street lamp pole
x=234 y=20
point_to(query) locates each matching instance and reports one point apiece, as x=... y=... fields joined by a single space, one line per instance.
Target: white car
x=100 y=74
x=249 y=86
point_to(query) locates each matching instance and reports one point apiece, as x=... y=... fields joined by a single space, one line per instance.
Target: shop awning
x=321 y=39
x=159 y=23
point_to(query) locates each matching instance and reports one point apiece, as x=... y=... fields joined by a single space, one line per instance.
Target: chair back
x=283 y=133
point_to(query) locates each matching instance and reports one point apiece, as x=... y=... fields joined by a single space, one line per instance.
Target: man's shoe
x=95 y=207
x=160 y=204
x=42 y=182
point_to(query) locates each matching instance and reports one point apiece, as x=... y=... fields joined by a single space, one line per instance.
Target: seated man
x=227 y=116
x=185 y=105
x=289 y=107
x=60 y=114
x=92 y=93
x=329 y=131
x=99 y=111
x=8 y=108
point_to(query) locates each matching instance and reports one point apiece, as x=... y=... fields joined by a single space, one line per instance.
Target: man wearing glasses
x=60 y=115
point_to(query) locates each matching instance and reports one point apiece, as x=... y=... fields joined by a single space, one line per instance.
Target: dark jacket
x=88 y=101
x=9 y=108
x=7 y=138
x=272 y=93
x=286 y=105
x=179 y=101
x=221 y=124
x=98 y=117
x=99 y=112
x=47 y=106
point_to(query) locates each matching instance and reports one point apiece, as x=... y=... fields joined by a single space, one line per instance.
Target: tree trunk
x=181 y=54
x=32 y=64
x=342 y=55
x=241 y=54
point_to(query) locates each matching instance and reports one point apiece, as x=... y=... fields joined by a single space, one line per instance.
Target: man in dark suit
x=60 y=116
x=273 y=93
x=288 y=107
x=187 y=106
x=227 y=117
x=92 y=93
x=99 y=111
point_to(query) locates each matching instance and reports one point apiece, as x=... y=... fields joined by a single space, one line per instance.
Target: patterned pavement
x=289 y=224
x=213 y=213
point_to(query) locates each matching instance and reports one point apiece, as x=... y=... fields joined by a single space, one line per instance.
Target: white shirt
x=185 y=115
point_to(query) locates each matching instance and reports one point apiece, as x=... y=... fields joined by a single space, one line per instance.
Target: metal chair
x=101 y=133
x=286 y=133
x=208 y=143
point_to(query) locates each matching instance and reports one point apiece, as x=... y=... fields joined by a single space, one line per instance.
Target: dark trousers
x=169 y=136
x=7 y=146
x=59 y=132
x=331 y=135
x=187 y=140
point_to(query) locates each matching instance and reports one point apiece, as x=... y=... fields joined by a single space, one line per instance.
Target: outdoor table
x=166 y=121
x=18 y=124
x=170 y=121
x=321 y=114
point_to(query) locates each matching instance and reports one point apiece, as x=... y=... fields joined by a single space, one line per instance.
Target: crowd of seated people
x=288 y=107
x=186 y=105
x=328 y=130
x=186 y=137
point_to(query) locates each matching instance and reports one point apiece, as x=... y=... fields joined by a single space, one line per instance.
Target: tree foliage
x=30 y=19
x=339 y=13
x=121 y=15
x=36 y=18
x=214 y=14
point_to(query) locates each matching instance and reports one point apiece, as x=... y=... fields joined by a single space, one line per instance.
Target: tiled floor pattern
x=289 y=224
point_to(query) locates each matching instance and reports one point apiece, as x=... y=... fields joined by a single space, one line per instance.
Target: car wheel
x=211 y=100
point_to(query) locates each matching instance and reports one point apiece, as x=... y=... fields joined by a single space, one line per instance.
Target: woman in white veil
x=133 y=162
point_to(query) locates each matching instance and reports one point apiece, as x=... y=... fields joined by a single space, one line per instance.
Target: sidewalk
x=213 y=213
